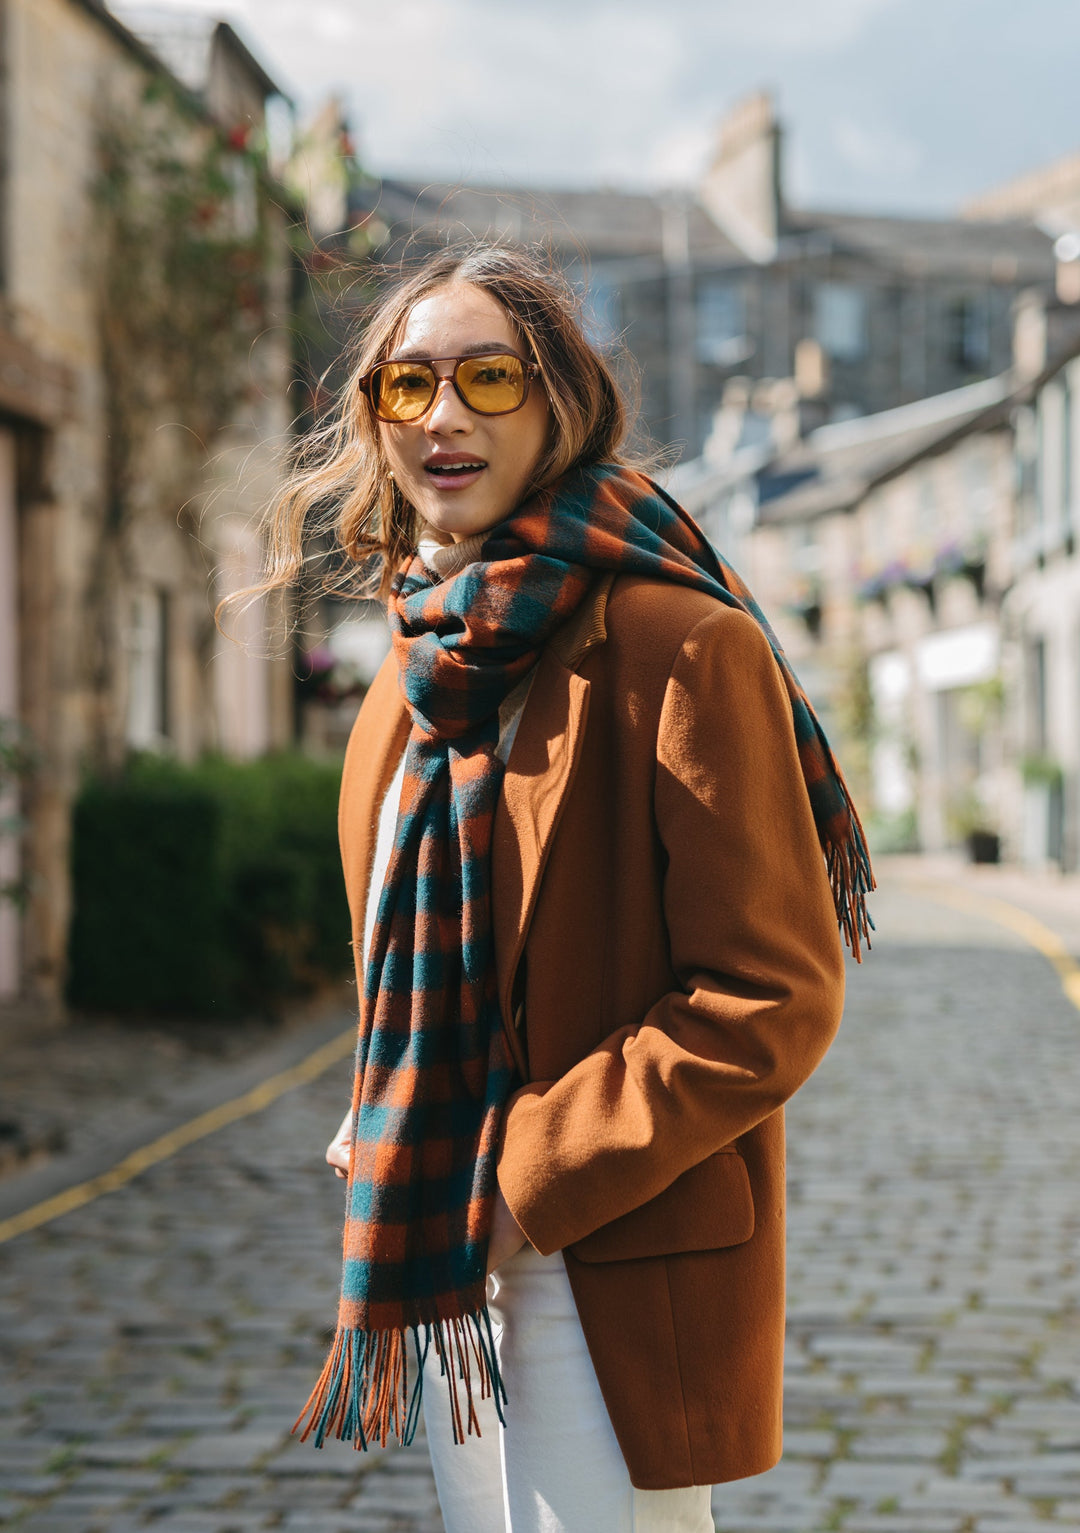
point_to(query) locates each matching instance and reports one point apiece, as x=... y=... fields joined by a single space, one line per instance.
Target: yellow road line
x=253 y=1101
x=1034 y=933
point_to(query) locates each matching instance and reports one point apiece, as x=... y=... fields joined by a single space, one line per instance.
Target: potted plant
x=969 y=822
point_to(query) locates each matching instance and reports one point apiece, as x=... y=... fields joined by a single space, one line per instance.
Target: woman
x=583 y=817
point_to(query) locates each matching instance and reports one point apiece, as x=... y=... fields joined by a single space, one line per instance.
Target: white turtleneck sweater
x=443 y=560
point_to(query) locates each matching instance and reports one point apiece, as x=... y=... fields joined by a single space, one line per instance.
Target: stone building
x=921 y=563
x=732 y=280
x=125 y=414
x=878 y=547
x=916 y=564
x=1041 y=614
x=1042 y=622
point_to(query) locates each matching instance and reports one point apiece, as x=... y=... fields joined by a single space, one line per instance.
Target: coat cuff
x=526 y=1190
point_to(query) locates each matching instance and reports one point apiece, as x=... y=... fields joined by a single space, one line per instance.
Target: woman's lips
x=448 y=475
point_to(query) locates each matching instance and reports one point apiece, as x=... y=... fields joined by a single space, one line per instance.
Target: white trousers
x=556 y=1467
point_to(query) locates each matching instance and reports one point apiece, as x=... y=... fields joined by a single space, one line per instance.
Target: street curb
x=1016 y=919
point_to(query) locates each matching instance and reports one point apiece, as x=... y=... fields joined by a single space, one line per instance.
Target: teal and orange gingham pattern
x=433 y=1070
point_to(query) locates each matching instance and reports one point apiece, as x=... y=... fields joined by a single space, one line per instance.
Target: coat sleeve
x=755 y=951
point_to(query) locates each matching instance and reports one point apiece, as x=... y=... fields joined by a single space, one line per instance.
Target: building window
x=1025 y=467
x=927 y=523
x=720 y=336
x=1036 y=698
x=978 y=484
x=967 y=334
x=1053 y=466
x=840 y=320
x=1068 y=465
x=148 y=720
x=240 y=173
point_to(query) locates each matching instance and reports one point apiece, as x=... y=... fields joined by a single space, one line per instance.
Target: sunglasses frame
x=532 y=370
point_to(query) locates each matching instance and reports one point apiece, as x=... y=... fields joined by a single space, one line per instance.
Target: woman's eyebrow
x=475 y=349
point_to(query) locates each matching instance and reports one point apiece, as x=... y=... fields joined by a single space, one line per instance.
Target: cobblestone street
x=157 y=1344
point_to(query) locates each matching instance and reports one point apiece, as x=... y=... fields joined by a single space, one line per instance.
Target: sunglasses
x=493 y=383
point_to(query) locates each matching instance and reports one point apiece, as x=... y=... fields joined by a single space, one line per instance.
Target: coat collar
x=586 y=628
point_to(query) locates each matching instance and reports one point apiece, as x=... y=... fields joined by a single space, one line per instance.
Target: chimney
x=1029 y=333
x=1046 y=330
x=811 y=369
x=741 y=188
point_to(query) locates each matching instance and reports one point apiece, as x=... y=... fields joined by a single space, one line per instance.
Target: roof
x=611 y=225
x=626 y=230
x=124 y=35
x=833 y=467
x=184 y=42
x=1005 y=250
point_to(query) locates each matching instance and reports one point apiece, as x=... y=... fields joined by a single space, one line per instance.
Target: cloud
x=814 y=25
x=680 y=155
x=428 y=95
x=876 y=149
x=890 y=103
x=558 y=92
x=334 y=23
x=806 y=26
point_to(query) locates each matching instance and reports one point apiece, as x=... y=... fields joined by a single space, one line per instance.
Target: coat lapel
x=375 y=748
x=538 y=777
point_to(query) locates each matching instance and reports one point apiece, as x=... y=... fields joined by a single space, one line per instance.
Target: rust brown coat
x=670 y=972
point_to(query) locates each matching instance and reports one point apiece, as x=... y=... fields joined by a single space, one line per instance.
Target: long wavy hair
x=338 y=504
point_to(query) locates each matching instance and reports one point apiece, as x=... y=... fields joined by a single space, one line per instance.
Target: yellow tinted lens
x=402 y=391
x=492 y=385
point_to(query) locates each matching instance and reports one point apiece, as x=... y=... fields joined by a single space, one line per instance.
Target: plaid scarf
x=433 y=1069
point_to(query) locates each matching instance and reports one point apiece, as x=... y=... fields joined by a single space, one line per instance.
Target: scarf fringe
x=852 y=879
x=369 y=1390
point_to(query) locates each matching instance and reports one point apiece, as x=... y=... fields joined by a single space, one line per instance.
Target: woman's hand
x=337 y=1151
x=507 y=1237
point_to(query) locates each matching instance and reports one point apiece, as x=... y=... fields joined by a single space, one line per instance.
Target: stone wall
x=83 y=613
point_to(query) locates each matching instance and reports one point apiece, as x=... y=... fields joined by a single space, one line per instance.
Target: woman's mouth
x=454 y=474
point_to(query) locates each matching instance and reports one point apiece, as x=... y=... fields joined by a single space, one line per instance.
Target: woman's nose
x=448 y=414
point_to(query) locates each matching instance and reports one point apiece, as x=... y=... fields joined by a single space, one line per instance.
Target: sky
x=891 y=105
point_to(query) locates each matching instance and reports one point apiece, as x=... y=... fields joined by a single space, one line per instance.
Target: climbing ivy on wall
x=182 y=254
x=17 y=762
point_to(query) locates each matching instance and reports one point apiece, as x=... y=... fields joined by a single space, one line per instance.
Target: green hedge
x=211 y=889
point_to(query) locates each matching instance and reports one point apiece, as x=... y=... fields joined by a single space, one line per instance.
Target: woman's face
x=457 y=503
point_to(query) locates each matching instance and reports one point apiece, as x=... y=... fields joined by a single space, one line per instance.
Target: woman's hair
x=338 y=485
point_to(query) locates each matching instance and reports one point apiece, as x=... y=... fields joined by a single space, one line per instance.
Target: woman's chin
x=454 y=517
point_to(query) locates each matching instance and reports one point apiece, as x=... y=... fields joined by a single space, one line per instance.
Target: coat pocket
x=708 y=1207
